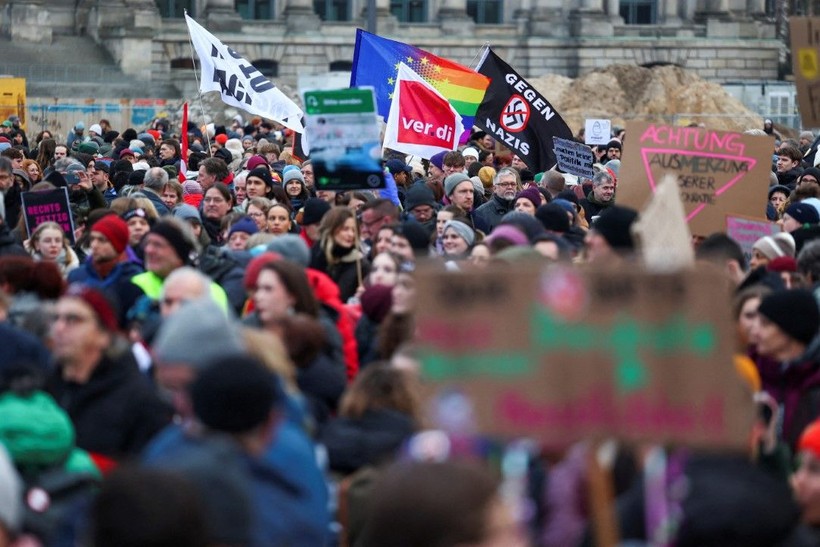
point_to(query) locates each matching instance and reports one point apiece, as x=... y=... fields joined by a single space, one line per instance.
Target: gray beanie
x=292 y=247
x=292 y=174
x=197 y=334
x=452 y=181
x=464 y=232
x=183 y=211
x=11 y=494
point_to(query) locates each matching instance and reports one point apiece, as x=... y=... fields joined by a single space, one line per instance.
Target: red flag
x=183 y=162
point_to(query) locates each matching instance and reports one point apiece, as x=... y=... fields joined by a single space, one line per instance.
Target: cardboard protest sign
x=718 y=172
x=805 y=42
x=746 y=231
x=52 y=205
x=597 y=131
x=564 y=354
x=574 y=158
x=343 y=135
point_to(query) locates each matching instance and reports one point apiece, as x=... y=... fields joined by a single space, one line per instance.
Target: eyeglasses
x=367 y=224
x=507 y=184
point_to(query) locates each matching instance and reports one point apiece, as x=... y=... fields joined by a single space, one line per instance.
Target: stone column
x=300 y=17
x=544 y=17
x=221 y=15
x=590 y=18
x=454 y=19
x=670 y=15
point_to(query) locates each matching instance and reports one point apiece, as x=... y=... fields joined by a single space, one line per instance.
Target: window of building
x=268 y=68
x=486 y=12
x=409 y=11
x=175 y=8
x=341 y=66
x=639 y=12
x=332 y=10
x=255 y=9
x=183 y=62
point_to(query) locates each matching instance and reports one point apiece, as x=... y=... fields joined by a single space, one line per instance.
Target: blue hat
x=245 y=225
x=803 y=213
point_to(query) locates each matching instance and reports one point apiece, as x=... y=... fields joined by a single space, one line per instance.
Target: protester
x=337 y=253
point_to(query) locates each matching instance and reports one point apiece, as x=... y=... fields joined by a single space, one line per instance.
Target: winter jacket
x=353 y=443
x=593 y=207
x=117 y=411
x=489 y=215
x=343 y=271
x=327 y=292
x=225 y=270
x=117 y=284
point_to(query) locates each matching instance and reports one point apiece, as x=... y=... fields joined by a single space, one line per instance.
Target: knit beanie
x=452 y=181
x=415 y=234
x=438 y=160
x=487 y=175
x=291 y=174
x=810 y=439
x=245 y=225
x=554 y=217
x=262 y=173
x=191 y=187
x=291 y=247
x=183 y=211
x=464 y=232
x=531 y=194
x=525 y=222
x=256 y=161
x=197 y=333
x=782 y=264
x=510 y=233
x=235 y=394
x=614 y=143
x=419 y=194
x=174 y=236
x=795 y=311
x=813 y=171
x=114 y=229
x=470 y=151
x=102 y=307
x=615 y=224
x=255 y=266
x=781 y=244
x=314 y=210
x=803 y=213
x=377 y=301
x=221 y=139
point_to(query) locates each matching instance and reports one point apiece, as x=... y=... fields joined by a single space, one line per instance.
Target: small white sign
x=597 y=131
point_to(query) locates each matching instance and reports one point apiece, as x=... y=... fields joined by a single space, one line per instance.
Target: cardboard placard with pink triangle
x=718 y=172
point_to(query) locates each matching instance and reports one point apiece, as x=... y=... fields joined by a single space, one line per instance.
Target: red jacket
x=327 y=293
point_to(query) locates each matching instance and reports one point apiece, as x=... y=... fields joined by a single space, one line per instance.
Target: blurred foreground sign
x=560 y=355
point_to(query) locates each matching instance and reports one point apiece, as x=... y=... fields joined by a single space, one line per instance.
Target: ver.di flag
x=376 y=63
x=421 y=121
x=517 y=115
x=239 y=82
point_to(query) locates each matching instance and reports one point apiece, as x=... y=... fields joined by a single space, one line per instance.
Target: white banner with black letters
x=239 y=82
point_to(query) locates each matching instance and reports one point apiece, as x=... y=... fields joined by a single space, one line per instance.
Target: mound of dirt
x=663 y=94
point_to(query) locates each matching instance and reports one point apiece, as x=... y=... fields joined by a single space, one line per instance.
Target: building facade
x=722 y=40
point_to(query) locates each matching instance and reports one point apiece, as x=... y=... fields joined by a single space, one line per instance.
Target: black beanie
x=174 y=236
x=416 y=234
x=615 y=224
x=553 y=217
x=794 y=311
x=261 y=173
x=129 y=134
x=235 y=394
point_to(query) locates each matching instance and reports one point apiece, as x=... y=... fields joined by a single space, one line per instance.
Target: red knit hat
x=222 y=138
x=114 y=229
x=255 y=267
x=98 y=302
x=810 y=439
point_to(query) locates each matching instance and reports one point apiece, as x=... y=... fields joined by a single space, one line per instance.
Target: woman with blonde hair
x=337 y=252
x=49 y=243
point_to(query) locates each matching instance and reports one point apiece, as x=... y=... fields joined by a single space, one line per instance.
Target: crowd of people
x=225 y=353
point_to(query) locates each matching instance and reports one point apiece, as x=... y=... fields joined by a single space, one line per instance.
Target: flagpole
x=198 y=89
x=480 y=55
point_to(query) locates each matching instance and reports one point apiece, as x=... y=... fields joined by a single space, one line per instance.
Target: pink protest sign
x=746 y=231
x=718 y=172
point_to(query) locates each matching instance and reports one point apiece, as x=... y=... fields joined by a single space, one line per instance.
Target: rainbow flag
x=376 y=63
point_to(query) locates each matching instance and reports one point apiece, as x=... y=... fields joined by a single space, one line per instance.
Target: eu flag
x=376 y=63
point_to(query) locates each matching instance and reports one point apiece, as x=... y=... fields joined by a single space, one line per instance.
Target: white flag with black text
x=239 y=82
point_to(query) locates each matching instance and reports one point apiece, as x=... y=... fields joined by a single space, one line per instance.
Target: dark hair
x=222 y=189
x=22 y=273
x=138 y=506
x=45 y=153
x=278 y=194
x=295 y=280
x=434 y=504
x=791 y=152
x=173 y=143
x=384 y=207
x=216 y=167
x=453 y=158
x=718 y=248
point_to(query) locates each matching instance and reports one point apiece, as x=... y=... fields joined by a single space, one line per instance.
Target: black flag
x=517 y=115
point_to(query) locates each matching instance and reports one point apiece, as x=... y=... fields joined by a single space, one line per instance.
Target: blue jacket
x=289 y=492
x=117 y=285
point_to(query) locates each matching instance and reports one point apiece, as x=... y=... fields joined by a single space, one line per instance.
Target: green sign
x=343 y=134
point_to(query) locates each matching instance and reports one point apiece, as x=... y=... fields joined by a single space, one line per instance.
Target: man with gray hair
x=601 y=196
x=152 y=186
x=506 y=184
